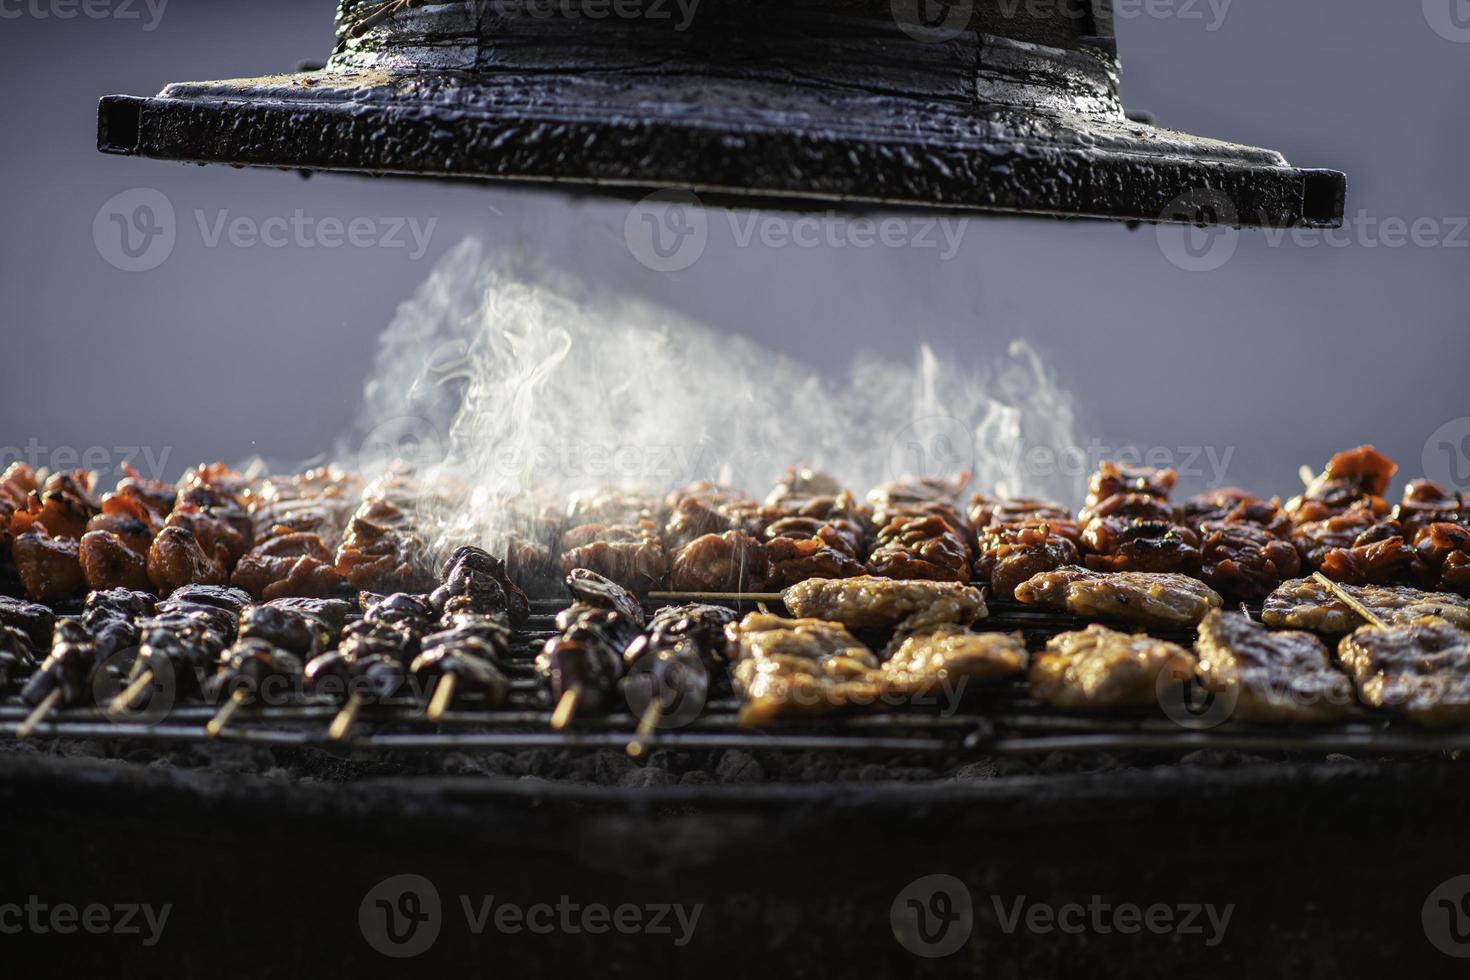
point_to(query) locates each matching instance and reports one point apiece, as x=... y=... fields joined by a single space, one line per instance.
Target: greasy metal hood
x=992 y=105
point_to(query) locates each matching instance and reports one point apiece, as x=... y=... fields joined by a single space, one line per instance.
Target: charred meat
x=1274 y=675
x=870 y=602
x=1098 y=669
x=1147 y=599
x=1418 y=669
x=1306 y=604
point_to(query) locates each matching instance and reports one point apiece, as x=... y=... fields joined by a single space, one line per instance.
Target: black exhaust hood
x=993 y=105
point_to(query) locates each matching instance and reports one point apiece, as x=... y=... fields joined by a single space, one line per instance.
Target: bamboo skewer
x=720 y=596
x=217 y=724
x=1349 y=600
x=443 y=697
x=34 y=719
x=646 y=727
x=129 y=696
x=566 y=708
x=346 y=718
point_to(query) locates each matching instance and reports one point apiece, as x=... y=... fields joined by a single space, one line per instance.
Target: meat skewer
x=1020 y=538
x=1130 y=525
x=921 y=533
x=1099 y=669
x=678 y=662
x=870 y=602
x=63 y=679
x=1143 y=598
x=617 y=536
x=1318 y=606
x=795 y=667
x=1420 y=670
x=583 y=665
x=1274 y=675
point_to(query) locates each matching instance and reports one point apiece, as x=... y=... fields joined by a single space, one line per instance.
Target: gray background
x=1286 y=353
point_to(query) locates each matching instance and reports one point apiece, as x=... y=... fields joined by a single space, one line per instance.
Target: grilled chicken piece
x=630 y=555
x=1418 y=669
x=1131 y=507
x=1426 y=502
x=1279 y=675
x=869 y=602
x=729 y=562
x=921 y=548
x=1147 y=599
x=289 y=564
x=824 y=537
x=795 y=667
x=799 y=486
x=50 y=568
x=992 y=511
x=176 y=559
x=709 y=508
x=31 y=618
x=1098 y=669
x=109 y=562
x=1444 y=548
x=922 y=497
x=1357 y=476
x=1115 y=479
x=1308 y=605
x=1117 y=544
x=1244 y=559
x=64 y=504
x=1014 y=552
x=947 y=657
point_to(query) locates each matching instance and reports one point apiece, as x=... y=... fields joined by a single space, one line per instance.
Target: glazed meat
x=109 y=562
x=1426 y=503
x=382 y=550
x=797 y=667
x=946 y=659
x=995 y=511
x=706 y=508
x=1278 y=675
x=1378 y=557
x=799 y=486
x=176 y=558
x=632 y=556
x=1444 y=550
x=1115 y=544
x=825 y=538
x=1098 y=669
x=1306 y=604
x=64 y=504
x=1244 y=560
x=870 y=602
x=114 y=551
x=1012 y=553
x=49 y=567
x=921 y=548
x=729 y=562
x=1114 y=479
x=1235 y=506
x=289 y=564
x=1147 y=599
x=1418 y=669
x=1131 y=507
x=921 y=497
x=1356 y=477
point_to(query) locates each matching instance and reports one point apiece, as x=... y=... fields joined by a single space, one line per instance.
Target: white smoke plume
x=512 y=383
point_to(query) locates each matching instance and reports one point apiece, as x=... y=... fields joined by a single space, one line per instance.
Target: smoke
x=523 y=385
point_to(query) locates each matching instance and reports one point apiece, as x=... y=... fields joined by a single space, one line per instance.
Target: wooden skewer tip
x=443 y=697
x=346 y=718
x=34 y=719
x=1350 y=600
x=566 y=708
x=129 y=696
x=217 y=724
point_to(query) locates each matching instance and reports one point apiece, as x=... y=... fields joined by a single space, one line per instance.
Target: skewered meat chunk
x=471 y=656
x=381 y=551
x=1444 y=549
x=923 y=497
x=1277 y=675
x=1418 y=669
x=31 y=618
x=64 y=504
x=112 y=617
x=709 y=508
x=287 y=565
x=1148 y=599
x=921 y=548
x=1309 y=605
x=185 y=646
x=475 y=581
x=678 y=631
x=176 y=559
x=870 y=602
x=1426 y=502
x=68 y=667
x=633 y=556
x=332 y=612
x=1122 y=545
x=1131 y=507
x=799 y=486
x=50 y=568
x=17 y=656
x=588 y=658
x=1012 y=553
x=254 y=668
x=606 y=506
x=729 y=562
x=1356 y=477
x=989 y=512
x=290 y=629
x=1098 y=669
x=297 y=524
x=1245 y=560
x=795 y=667
x=1113 y=479
x=948 y=657
x=1378 y=556
x=824 y=537
x=598 y=592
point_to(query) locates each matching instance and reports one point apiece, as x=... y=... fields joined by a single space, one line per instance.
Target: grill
x=996 y=720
